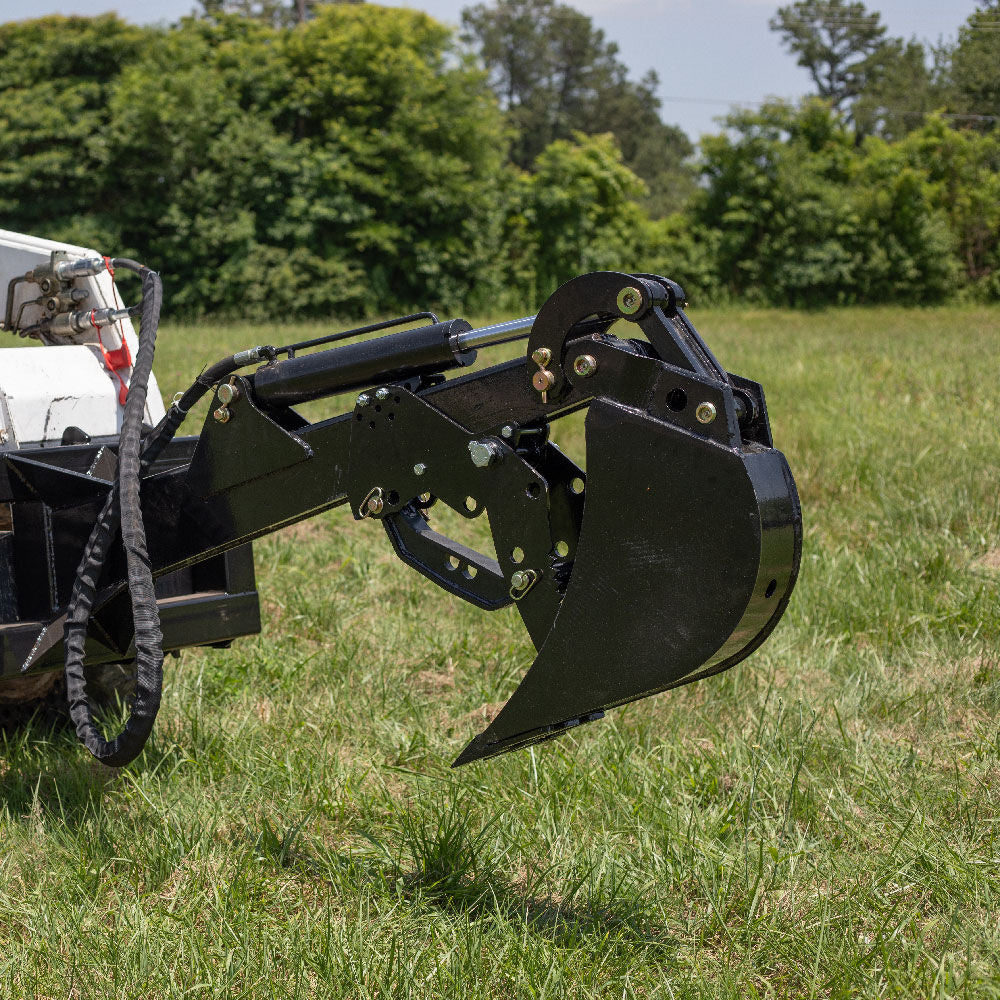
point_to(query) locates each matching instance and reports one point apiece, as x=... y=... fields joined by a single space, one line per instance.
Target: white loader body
x=70 y=384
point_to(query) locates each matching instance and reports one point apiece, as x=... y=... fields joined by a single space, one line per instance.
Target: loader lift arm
x=672 y=557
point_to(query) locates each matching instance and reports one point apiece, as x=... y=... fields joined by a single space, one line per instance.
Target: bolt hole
x=391 y=415
x=677 y=399
x=396 y=398
x=562 y=549
x=469 y=572
x=393 y=497
x=453 y=562
x=378 y=408
x=771 y=588
x=357 y=416
x=371 y=424
x=471 y=504
x=577 y=486
x=517 y=555
x=534 y=490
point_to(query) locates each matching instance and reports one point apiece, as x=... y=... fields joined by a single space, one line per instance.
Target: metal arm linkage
x=671 y=557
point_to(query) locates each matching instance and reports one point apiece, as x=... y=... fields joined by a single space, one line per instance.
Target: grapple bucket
x=687 y=555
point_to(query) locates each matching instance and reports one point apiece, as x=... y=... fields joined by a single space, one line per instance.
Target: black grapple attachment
x=669 y=558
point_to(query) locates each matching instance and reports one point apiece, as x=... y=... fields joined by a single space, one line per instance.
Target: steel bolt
x=419 y=469
x=222 y=415
x=375 y=504
x=585 y=365
x=521 y=581
x=227 y=393
x=507 y=431
x=484 y=453
x=543 y=380
x=363 y=400
x=629 y=300
x=541 y=357
x=382 y=394
x=705 y=413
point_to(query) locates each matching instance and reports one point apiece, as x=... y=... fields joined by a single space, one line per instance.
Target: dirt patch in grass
x=436 y=680
x=990 y=560
x=483 y=715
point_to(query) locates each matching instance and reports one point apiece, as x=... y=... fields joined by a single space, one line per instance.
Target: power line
x=891 y=112
x=976 y=23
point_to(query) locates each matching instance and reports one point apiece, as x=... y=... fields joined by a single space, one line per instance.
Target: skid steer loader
x=669 y=558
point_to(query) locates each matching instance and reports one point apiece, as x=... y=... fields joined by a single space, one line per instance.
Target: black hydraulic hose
x=123 y=511
x=165 y=430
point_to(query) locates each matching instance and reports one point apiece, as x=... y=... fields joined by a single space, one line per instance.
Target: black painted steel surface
x=672 y=556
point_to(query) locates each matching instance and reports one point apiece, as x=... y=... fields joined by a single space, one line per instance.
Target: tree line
x=319 y=159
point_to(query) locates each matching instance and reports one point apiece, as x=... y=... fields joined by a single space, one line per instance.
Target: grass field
x=821 y=821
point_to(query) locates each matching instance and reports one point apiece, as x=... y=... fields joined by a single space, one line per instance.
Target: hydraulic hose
x=165 y=430
x=123 y=512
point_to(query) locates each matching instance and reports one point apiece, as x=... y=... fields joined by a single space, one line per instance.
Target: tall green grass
x=821 y=821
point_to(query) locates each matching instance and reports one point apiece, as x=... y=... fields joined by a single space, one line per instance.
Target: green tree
x=56 y=76
x=806 y=217
x=774 y=192
x=352 y=164
x=838 y=42
x=210 y=187
x=907 y=250
x=277 y=13
x=554 y=74
x=678 y=248
x=576 y=212
x=900 y=92
x=975 y=68
x=962 y=167
x=414 y=145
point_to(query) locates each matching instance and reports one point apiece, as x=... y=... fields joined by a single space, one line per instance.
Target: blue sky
x=708 y=53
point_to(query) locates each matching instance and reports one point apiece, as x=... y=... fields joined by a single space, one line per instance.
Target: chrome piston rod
x=496 y=333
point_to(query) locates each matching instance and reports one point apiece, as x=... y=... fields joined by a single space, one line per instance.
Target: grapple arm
x=671 y=557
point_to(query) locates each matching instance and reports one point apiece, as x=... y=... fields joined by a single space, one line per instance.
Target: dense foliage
x=361 y=161
x=350 y=164
x=797 y=213
x=555 y=74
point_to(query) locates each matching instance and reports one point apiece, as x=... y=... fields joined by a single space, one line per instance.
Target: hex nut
x=419 y=469
x=541 y=357
x=484 y=453
x=705 y=412
x=222 y=414
x=363 y=400
x=381 y=393
x=375 y=505
x=585 y=365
